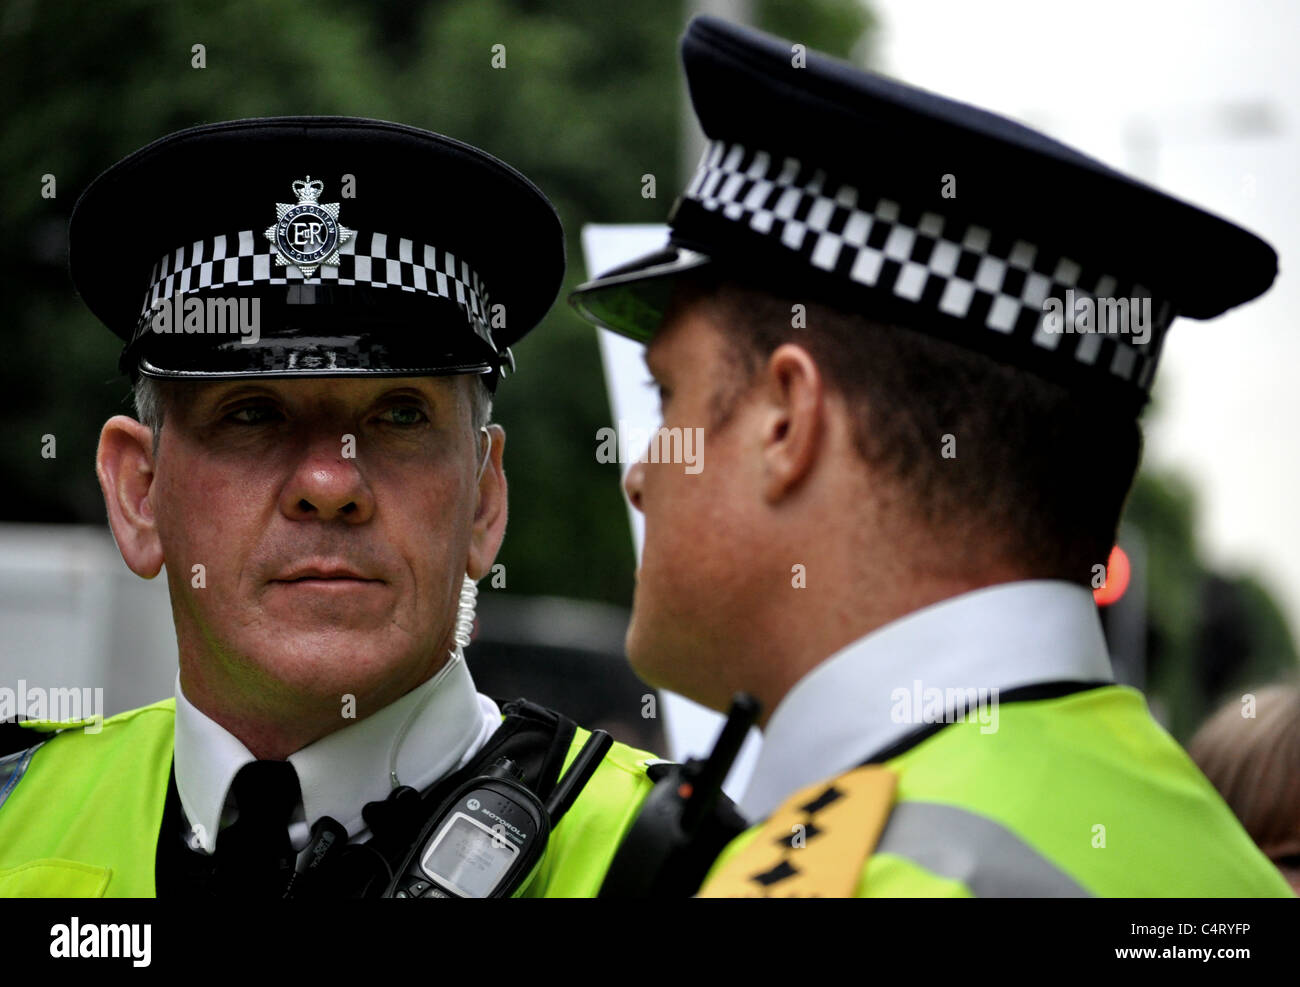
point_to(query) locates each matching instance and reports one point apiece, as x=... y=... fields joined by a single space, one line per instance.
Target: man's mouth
x=325 y=576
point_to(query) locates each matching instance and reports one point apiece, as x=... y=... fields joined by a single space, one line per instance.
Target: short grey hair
x=149 y=405
x=480 y=403
x=151 y=395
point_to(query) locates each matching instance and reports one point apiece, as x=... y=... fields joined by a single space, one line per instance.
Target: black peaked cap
x=825 y=181
x=434 y=258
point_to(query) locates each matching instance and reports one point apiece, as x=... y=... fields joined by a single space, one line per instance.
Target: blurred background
x=1198 y=98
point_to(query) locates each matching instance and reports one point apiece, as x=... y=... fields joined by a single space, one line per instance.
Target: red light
x=1117 y=577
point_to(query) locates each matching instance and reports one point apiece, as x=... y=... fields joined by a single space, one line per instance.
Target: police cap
x=315 y=246
x=823 y=181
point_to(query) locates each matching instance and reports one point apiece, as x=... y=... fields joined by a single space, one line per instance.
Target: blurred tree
x=1208 y=633
x=587 y=103
x=80 y=89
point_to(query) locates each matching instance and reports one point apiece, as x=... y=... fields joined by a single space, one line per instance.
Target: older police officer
x=316 y=312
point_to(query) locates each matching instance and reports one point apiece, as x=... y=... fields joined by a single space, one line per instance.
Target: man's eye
x=253 y=414
x=404 y=415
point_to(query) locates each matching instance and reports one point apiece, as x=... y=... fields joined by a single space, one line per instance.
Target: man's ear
x=490 y=515
x=793 y=420
x=125 y=467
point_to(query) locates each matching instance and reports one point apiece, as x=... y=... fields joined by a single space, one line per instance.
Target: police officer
x=316 y=312
x=916 y=336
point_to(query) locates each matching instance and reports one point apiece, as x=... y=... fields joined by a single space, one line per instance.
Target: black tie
x=254 y=857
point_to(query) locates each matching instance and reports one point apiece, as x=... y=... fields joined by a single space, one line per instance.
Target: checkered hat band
x=996 y=283
x=372 y=260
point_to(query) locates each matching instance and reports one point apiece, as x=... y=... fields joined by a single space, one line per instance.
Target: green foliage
x=588 y=102
x=837 y=30
x=1208 y=633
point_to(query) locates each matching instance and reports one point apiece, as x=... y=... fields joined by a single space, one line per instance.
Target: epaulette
x=19 y=735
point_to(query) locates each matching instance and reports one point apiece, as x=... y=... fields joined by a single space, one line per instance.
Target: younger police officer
x=917 y=336
x=315 y=312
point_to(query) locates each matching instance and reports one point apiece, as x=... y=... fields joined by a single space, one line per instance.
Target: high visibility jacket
x=1083 y=794
x=80 y=815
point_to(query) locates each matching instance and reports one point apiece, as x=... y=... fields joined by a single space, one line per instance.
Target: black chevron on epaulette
x=14 y=737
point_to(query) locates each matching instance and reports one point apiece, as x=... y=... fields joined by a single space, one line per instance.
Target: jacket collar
x=881 y=687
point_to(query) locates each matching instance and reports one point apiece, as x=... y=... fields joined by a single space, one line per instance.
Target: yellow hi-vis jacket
x=80 y=815
x=1079 y=795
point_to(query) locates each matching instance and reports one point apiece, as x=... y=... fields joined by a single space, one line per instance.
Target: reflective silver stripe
x=983 y=855
x=12 y=768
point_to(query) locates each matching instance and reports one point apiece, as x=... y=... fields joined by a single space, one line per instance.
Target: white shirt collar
x=427 y=733
x=865 y=697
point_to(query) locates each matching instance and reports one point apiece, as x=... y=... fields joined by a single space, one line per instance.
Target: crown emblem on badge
x=308 y=189
x=308 y=234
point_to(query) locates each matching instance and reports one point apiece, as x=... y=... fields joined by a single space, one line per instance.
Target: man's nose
x=632 y=484
x=327 y=485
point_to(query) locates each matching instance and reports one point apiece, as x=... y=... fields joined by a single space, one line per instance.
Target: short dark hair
x=1040 y=474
